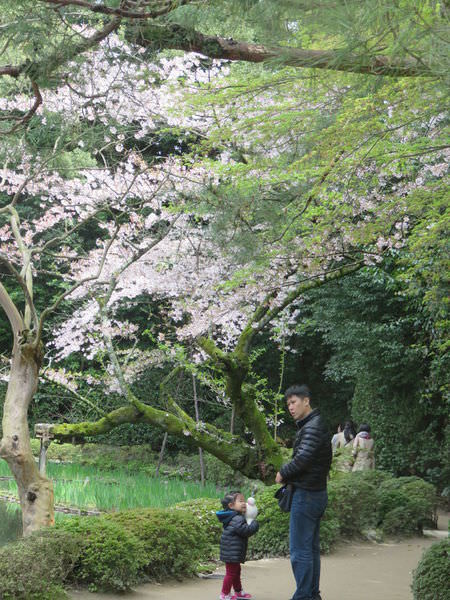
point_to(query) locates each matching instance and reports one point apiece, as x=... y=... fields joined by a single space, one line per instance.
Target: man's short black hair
x=302 y=391
x=230 y=498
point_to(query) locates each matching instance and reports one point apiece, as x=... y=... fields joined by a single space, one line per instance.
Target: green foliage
x=35 y=568
x=173 y=541
x=381 y=344
x=374 y=500
x=204 y=510
x=431 y=579
x=10 y=522
x=105 y=457
x=405 y=505
x=350 y=496
x=216 y=471
x=111 y=556
x=88 y=487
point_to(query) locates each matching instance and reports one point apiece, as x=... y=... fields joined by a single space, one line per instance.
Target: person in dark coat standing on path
x=233 y=543
x=308 y=472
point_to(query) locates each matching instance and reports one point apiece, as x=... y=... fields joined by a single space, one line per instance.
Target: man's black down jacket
x=234 y=540
x=311 y=455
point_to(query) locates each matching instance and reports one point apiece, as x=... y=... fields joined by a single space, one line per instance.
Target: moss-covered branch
x=228 y=448
x=222 y=359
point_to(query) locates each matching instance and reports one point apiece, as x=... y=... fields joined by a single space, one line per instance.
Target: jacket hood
x=225 y=516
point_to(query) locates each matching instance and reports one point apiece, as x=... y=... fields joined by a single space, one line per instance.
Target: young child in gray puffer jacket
x=233 y=543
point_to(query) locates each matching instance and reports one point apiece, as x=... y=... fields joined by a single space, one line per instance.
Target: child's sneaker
x=241 y=595
x=225 y=596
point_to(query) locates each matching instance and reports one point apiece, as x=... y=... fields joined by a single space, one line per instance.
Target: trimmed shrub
x=374 y=499
x=405 y=505
x=111 y=557
x=431 y=579
x=351 y=497
x=204 y=510
x=172 y=541
x=36 y=567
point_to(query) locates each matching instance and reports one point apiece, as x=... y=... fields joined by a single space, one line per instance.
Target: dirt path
x=352 y=572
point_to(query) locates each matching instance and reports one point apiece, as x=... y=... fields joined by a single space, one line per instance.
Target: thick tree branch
x=183 y=38
x=30 y=311
x=14 y=317
x=228 y=448
x=223 y=360
x=11 y=70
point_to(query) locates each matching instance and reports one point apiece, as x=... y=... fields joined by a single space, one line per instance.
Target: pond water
x=10 y=522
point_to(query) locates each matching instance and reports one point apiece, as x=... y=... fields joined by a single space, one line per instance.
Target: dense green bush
x=204 y=510
x=431 y=579
x=35 y=568
x=173 y=541
x=405 y=505
x=374 y=499
x=111 y=556
x=351 y=498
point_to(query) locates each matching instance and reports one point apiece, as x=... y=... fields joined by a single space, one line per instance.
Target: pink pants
x=232 y=578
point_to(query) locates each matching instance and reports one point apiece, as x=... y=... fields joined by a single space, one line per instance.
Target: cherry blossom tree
x=247 y=211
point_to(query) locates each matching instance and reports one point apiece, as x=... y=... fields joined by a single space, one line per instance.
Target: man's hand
x=278 y=478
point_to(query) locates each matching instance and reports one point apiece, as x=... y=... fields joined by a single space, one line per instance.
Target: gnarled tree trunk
x=35 y=491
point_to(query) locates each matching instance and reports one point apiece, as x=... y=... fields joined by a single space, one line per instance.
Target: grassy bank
x=113 y=490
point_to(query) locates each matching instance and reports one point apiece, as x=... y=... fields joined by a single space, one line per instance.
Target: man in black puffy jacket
x=308 y=472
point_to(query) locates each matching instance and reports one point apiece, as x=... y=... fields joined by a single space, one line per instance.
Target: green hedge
x=116 y=550
x=173 y=541
x=375 y=500
x=111 y=557
x=204 y=510
x=405 y=505
x=36 y=568
x=431 y=579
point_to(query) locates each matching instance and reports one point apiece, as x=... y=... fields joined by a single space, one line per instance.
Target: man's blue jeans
x=306 y=512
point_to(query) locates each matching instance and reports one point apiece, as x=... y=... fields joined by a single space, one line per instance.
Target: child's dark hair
x=229 y=498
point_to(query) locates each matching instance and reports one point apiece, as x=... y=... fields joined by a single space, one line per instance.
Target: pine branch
x=182 y=38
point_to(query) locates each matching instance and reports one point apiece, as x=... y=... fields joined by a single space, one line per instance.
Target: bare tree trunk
x=197 y=419
x=35 y=490
x=161 y=454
